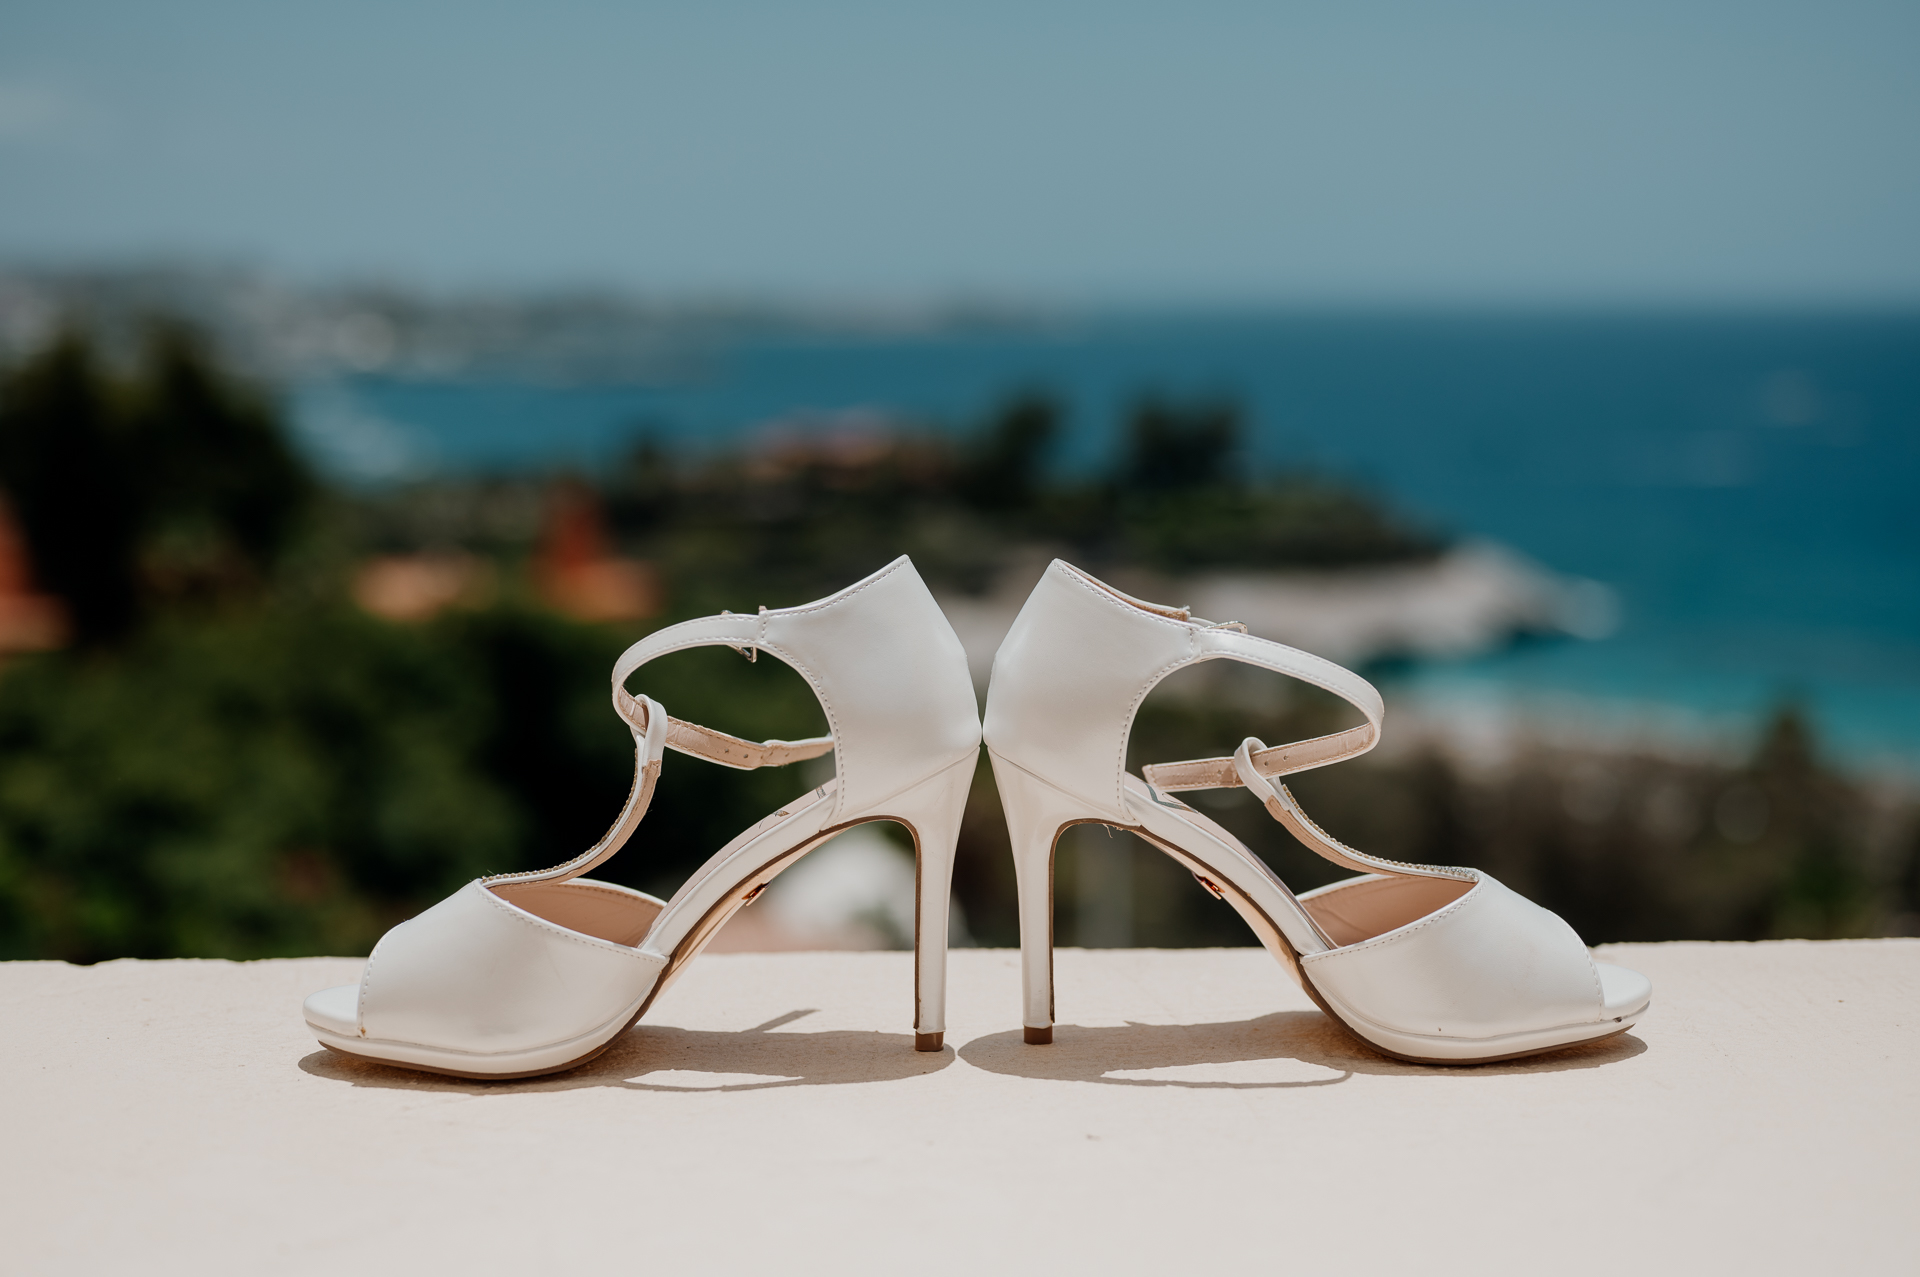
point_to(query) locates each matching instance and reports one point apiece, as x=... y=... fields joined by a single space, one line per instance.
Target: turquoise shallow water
x=1750 y=486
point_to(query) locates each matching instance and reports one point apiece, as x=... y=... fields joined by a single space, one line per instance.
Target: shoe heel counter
x=893 y=679
x=1068 y=678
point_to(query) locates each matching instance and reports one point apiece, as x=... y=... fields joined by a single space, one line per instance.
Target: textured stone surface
x=1195 y=1113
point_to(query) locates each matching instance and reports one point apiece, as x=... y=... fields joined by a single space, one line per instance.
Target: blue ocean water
x=1749 y=485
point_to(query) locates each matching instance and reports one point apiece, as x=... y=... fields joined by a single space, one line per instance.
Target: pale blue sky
x=1350 y=153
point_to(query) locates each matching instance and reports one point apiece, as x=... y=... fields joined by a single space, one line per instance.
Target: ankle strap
x=654 y=732
x=738 y=753
x=743 y=634
x=1285 y=808
x=1221 y=773
x=1256 y=766
x=885 y=665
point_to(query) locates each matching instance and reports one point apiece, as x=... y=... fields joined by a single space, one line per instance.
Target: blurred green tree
x=1172 y=446
x=279 y=783
x=1003 y=465
x=171 y=479
x=223 y=491
x=69 y=471
x=1184 y=499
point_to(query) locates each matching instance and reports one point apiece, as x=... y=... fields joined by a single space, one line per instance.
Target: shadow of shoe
x=1287 y=1049
x=664 y=1058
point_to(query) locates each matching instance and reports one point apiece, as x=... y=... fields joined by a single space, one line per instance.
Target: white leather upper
x=476 y=974
x=1427 y=961
x=529 y=971
x=1490 y=963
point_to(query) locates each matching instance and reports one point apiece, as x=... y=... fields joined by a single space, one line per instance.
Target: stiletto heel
x=1428 y=963
x=931 y=813
x=1036 y=814
x=530 y=973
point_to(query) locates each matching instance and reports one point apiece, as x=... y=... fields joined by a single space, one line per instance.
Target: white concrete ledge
x=1195 y=1114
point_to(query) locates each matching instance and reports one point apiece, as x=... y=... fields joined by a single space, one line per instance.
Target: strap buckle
x=750 y=651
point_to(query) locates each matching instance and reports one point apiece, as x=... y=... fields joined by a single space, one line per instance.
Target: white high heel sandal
x=1425 y=963
x=530 y=973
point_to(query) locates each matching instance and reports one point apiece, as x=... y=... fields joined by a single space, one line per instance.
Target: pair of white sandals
x=531 y=973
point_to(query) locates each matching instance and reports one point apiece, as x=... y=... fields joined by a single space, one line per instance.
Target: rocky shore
x=1473 y=598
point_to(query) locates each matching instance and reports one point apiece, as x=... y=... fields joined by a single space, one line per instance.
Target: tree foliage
x=167 y=480
x=228 y=766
